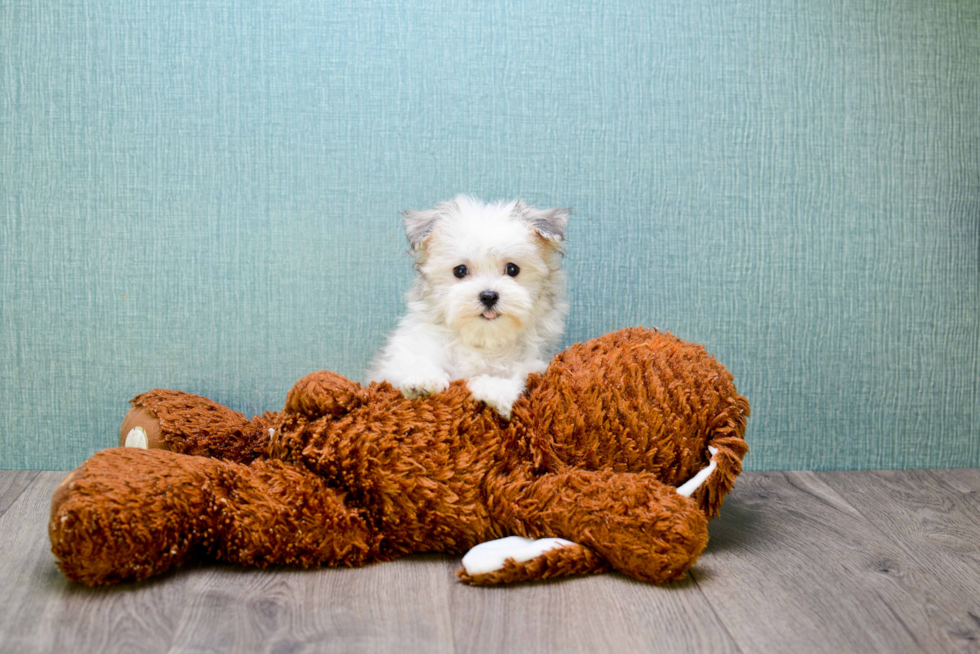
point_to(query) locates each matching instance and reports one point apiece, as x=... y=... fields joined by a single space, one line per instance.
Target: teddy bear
x=614 y=458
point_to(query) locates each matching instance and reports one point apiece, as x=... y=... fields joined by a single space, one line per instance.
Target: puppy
x=488 y=303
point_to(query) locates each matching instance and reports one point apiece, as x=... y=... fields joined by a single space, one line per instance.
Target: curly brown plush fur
x=349 y=474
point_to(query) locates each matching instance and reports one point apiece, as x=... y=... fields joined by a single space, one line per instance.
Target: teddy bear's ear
x=323 y=394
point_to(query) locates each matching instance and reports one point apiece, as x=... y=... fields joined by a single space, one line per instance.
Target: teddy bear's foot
x=513 y=559
x=632 y=520
x=190 y=424
x=62 y=492
x=127 y=514
x=141 y=428
x=106 y=527
x=490 y=556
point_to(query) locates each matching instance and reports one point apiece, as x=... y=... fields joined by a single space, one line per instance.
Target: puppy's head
x=490 y=272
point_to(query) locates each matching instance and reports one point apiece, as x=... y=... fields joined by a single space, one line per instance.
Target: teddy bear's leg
x=127 y=514
x=639 y=525
x=190 y=424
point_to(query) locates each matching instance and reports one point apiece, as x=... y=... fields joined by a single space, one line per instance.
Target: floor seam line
x=37 y=473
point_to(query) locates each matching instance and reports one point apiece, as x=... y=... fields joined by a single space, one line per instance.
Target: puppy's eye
x=460 y=272
x=512 y=269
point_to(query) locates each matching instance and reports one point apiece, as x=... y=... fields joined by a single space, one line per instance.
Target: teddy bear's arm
x=323 y=393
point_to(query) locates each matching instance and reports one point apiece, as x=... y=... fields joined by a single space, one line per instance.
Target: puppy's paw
x=499 y=393
x=537 y=366
x=423 y=386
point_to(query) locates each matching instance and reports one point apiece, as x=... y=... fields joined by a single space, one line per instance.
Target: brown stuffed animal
x=593 y=462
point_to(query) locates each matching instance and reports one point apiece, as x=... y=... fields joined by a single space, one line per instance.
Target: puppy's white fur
x=449 y=332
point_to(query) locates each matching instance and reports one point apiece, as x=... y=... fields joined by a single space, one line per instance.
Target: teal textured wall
x=205 y=196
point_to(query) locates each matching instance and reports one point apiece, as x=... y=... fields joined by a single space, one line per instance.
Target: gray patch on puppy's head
x=549 y=223
x=419 y=225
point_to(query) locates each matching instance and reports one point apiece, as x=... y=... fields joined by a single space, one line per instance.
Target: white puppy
x=487 y=305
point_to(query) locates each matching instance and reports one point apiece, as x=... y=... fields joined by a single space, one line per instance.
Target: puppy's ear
x=418 y=226
x=549 y=223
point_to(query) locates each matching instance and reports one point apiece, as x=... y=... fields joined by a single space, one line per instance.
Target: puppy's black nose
x=489 y=298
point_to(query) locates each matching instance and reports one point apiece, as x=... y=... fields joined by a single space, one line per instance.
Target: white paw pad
x=490 y=556
x=687 y=488
x=137 y=438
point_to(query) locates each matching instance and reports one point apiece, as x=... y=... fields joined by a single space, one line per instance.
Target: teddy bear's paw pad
x=691 y=485
x=137 y=438
x=490 y=556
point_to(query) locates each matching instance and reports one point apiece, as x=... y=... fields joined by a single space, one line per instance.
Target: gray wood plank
x=400 y=606
x=126 y=618
x=604 y=613
x=26 y=568
x=381 y=608
x=964 y=482
x=12 y=484
x=802 y=562
x=793 y=567
x=937 y=529
x=41 y=611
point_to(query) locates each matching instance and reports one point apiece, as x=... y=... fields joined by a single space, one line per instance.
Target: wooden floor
x=798 y=562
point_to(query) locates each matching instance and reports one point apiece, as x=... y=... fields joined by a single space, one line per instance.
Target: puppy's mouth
x=489 y=315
